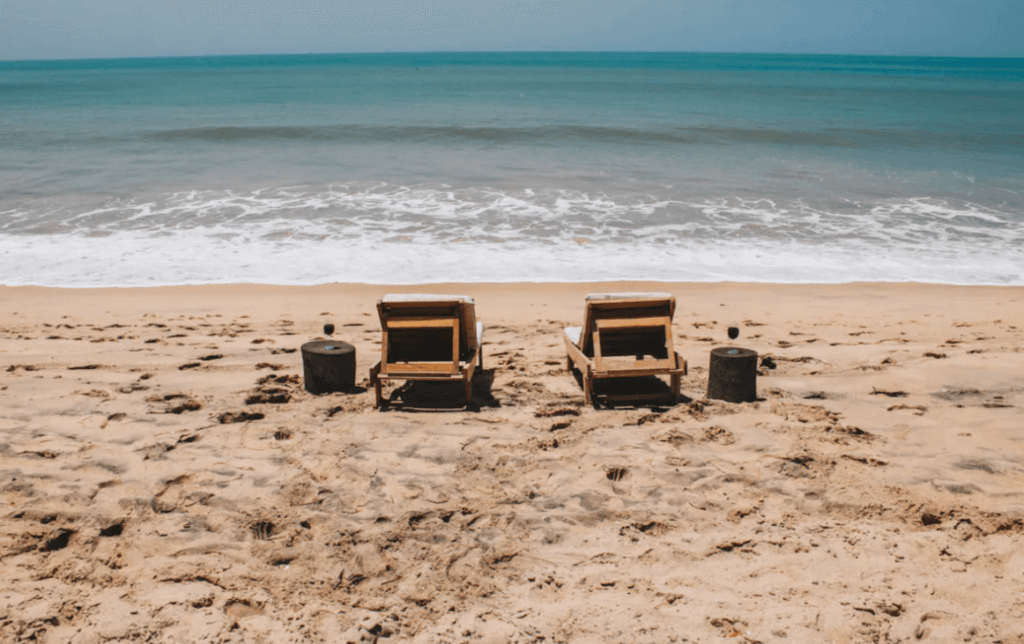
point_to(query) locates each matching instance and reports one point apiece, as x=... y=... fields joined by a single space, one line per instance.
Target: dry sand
x=872 y=495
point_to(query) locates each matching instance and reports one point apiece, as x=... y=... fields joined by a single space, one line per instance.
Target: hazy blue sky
x=32 y=29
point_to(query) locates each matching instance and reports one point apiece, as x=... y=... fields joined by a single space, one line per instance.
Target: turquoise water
x=399 y=168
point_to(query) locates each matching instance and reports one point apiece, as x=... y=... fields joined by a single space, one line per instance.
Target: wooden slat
x=588 y=324
x=634 y=373
x=675 y=366
x=420 y=377
x=670 y=345
x=455 y=343
x=631 y=303
x=470 y=367
x=578 y=358
x=422 y=323
x=394 y=368
x=627 y=323
x=422 y=304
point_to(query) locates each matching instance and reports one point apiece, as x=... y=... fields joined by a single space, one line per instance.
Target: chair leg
x=676 y=381
x=469 y=391
x=375 y=381
x=588 y=382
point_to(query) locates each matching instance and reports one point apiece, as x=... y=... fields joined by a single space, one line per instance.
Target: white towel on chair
x=420 y=297
x=629 y=296
x=574 y=333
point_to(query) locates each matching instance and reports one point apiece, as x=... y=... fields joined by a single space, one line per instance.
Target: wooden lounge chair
x=625 y=335
x=428 y=337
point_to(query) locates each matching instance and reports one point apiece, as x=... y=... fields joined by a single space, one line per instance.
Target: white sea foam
x=133 y=259
x=376 y=233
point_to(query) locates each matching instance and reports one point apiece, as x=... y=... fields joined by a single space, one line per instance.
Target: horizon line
x=505 y=51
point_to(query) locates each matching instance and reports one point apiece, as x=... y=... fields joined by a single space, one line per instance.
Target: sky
x=62 y=29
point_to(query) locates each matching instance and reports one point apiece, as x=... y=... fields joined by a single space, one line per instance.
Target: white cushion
x=421 y=297
x=628 y=296
x=573 y=333
x=479 y=333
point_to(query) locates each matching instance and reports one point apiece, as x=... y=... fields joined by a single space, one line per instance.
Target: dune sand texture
x=165 y=478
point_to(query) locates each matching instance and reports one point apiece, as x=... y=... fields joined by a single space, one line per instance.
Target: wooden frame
x=633 y=322
x=423 y=320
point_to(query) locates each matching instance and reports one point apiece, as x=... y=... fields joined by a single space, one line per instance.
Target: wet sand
x=151 y=491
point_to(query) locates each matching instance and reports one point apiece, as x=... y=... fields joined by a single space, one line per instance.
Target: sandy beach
x=164 y=477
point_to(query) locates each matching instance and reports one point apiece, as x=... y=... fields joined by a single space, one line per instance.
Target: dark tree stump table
x=328 y=366
x=732 y=375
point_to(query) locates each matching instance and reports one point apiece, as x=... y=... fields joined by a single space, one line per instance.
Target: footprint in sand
x=229 y=417
x=113 y=530
x=262 y=530
x=23 y=367
x=616 y=474
x=113 y=418
x=57 y=541
x=890 y=394
x=269 y=395
x=177 y=403
x=281 y=380
x=94 y=393
x=551 y=412
x=919 y=410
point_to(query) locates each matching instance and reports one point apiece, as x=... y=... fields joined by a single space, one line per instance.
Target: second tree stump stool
x=732 y=375
x=328 y=366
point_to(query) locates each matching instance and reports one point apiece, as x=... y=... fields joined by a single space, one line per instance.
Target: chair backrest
x=616 y=310
x=435 y=331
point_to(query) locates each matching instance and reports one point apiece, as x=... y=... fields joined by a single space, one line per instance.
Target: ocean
x=472 y=167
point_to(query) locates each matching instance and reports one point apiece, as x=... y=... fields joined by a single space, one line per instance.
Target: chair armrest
x=681 y=364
